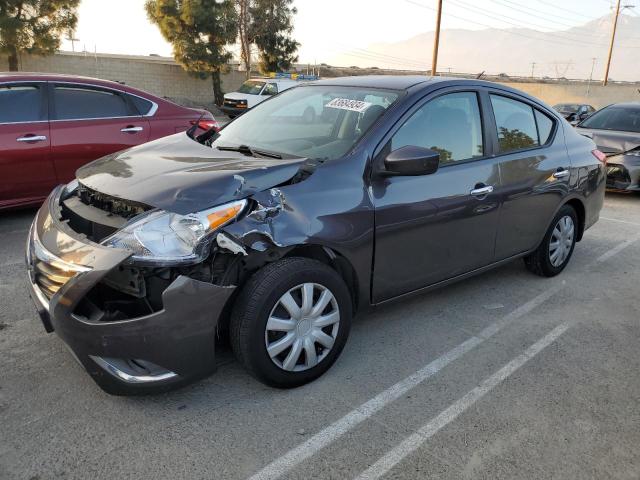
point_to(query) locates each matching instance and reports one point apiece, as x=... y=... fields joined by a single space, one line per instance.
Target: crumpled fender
x=273 y=222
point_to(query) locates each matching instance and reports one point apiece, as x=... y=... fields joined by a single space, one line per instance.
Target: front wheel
x=555 y=251
x=291 y=321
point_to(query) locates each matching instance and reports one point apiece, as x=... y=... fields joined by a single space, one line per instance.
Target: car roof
x=631 y=105
x=44 y=77
x=393 y=82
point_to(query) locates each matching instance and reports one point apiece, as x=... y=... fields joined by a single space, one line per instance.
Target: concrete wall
x=158 y=75
x=599 y=96
x=164 y=77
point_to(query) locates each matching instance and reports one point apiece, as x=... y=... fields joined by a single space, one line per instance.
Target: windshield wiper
x=247 y=150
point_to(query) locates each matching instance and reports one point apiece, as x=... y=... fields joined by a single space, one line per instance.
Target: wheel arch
x=580 y=210
x=336 y=261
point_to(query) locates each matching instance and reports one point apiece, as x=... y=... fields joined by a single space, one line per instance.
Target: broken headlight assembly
x=163 y=238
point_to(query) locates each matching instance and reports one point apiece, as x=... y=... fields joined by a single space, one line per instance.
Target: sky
x=329 y=29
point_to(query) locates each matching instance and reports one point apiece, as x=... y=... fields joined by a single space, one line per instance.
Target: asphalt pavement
x=504 y=376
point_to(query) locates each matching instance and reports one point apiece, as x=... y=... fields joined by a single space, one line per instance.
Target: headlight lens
x=164 y=238
x=71 y=187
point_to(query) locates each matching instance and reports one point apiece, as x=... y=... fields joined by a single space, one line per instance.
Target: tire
x=261 y=299
x=542 y=262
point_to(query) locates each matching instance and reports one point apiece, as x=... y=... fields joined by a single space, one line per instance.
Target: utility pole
x=593 y=64
x=436 y=41
x=613 y=37
x=533 y=66
x=73 y=40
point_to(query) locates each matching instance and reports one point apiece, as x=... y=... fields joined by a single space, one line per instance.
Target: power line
x=536 y=14
x=382 y=56
x=573 y=12
x=376 y=57
x=579 y=39
x=509 y=32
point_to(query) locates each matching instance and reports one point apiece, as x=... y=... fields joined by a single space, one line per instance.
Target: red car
x=50 y=125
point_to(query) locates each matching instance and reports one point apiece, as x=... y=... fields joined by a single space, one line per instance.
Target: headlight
x=71 y=187
x=164 y=238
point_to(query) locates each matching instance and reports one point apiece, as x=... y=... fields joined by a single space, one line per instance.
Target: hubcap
x=561 y=241
x=302 y=327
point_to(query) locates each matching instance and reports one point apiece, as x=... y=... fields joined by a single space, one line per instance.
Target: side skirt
x=451 y=280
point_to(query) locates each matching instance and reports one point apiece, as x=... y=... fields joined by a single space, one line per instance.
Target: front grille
x=49 y=272
x=97 y=215
x=110 y=204
x=51 y=278
x=235 y=103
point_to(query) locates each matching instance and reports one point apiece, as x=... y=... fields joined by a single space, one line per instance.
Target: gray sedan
x=616 y=131
x=280 y=228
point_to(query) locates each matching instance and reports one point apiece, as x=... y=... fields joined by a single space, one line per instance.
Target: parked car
x=616 y=131
x=256 y=90
x=574 y=112
x=52 y=124
x=268 y=227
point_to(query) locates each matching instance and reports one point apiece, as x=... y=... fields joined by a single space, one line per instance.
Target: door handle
x=481 y=191
x=31 y=138
x=561 y=173
x=131 y=129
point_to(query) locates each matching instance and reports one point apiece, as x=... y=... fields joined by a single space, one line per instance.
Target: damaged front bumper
x=157 y=351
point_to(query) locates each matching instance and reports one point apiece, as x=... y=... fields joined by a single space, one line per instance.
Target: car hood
x=611 y=142
x=180 y=175
x=239 y=96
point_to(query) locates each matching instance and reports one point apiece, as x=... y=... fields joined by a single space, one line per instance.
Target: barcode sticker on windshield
x=346 y=104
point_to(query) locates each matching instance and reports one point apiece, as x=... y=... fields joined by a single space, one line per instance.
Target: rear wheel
x=291 y=321
x=555 y=251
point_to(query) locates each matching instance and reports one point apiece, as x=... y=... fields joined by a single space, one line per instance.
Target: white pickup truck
x=256 y=90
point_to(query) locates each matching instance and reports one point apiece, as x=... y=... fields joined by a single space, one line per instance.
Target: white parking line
x=416 y=440
x=334 y=431
x=617 y=249
x=620 y=221
x=328 y=435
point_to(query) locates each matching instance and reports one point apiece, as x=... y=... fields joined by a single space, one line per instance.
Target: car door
x=25 y=165
x=534 y=171
x=430 y=228
x=89 y=122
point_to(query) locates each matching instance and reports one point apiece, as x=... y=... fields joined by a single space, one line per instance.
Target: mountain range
x=562 y=53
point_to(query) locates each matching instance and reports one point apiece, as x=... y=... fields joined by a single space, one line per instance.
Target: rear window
x=545 y=127
x=20 y=103
x=142 y=105
x=615 y=118
x=77 y=103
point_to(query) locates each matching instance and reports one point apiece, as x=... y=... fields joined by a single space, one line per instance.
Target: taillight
x=600 y=156
x=206 y=124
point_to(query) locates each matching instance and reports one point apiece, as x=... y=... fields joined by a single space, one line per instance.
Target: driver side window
x=449 y=124
x=270 y=89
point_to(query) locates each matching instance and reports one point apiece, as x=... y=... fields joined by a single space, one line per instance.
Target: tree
x=34 y=26
x=245 y=38
x=199 y=31
x=271 y=28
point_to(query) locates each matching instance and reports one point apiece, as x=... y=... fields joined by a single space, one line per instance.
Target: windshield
x=624 y=119
x=252 y=87
x=566 y=107
x=317 y=122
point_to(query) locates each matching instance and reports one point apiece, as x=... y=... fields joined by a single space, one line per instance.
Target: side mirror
x=584 y=115
x=412 y=160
